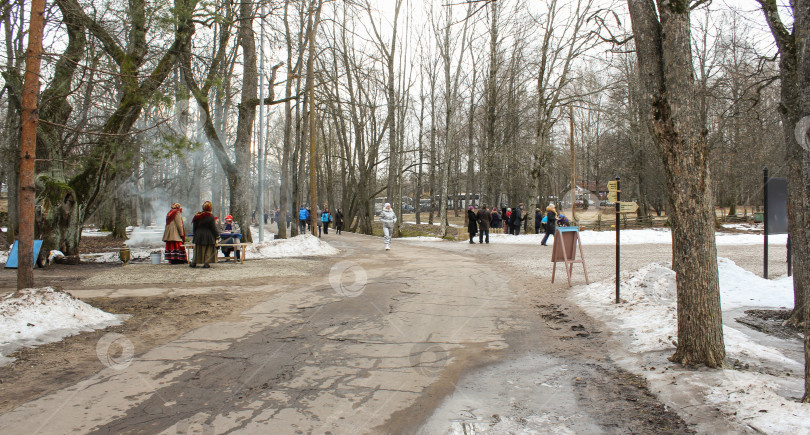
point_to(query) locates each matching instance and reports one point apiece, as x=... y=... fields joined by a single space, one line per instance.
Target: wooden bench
x=241 y=248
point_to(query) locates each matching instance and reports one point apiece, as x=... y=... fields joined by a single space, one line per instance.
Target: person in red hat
x=230 y=233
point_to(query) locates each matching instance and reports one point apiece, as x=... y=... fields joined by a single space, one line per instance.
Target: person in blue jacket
x=303 y=217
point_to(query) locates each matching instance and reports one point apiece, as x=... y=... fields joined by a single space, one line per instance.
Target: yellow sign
x=613 y=186
x=627 y=207
x=612 y=196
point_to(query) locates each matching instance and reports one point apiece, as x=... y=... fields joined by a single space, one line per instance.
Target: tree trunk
x=801 y=13
x=665 y=65
x=28 y=139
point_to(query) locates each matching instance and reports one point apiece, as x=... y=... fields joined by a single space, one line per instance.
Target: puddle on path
x=531 y=394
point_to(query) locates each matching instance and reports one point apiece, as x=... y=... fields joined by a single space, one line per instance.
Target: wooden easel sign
x=566 y=242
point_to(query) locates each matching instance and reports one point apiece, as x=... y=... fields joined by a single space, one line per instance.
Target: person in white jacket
x=388 y=218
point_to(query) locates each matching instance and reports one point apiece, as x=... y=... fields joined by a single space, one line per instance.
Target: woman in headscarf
x=204 y=225
x=175 y=235
x=472 y=223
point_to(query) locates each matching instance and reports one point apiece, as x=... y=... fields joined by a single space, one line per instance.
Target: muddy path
x=416 y=340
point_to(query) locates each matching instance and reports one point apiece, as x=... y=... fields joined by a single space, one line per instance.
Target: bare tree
x=564 y=40
x=663 y=47
x=794 y=69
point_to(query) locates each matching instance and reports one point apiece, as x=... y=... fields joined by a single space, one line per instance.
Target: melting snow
x=31 y=317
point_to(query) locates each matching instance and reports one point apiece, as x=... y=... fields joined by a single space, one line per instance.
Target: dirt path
x=415 y=340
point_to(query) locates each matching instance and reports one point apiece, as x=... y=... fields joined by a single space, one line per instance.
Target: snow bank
x=421 y=239
x=31 y=317
x=435 y=224
x=299 y=246
x=741 y=288
x=645 y=322
x=4 y=256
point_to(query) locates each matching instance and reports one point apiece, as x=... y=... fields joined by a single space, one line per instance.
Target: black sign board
x=777 y=206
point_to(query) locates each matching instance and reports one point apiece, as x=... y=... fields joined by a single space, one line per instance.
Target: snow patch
x=4 y=256
x=421 y=239
x=305 y=245
x=31 y=317
x=94 y=232
x=744 y=227
x=741 y=288
x=645 y=325
x=135 y=254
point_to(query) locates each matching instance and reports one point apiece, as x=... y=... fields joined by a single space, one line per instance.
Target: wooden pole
x=313 y=157
x=28 y=147
x=261 y=130
x=573 y=168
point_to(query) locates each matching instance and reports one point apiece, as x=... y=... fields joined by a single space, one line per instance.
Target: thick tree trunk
x=665 y=65
x=801 y=13
x=239 y=185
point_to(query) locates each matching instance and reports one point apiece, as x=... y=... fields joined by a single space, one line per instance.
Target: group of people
x=480 y=222
x=206 y=230
x=323 y=218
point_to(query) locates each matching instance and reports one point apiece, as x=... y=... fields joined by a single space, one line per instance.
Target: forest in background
x=498 y=102
x=414 y=100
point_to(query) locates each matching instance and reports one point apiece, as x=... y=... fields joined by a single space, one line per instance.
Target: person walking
x=388 y=218
x=472 y=224
x=204 y=225
x=303 y=217
x=551 y=215
x=175 y=236
x=339 y=220
x=517 y=219
x=484 y=221
x=538 y=219
x=325 y=219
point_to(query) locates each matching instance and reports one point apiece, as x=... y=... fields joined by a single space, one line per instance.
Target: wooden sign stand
x=566 y=241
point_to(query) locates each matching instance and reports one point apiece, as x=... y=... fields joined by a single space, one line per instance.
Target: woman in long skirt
x=205 y=236
x=175 y=236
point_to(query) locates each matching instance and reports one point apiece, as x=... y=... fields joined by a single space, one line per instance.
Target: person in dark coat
x=484 y=220
x=495 y=223
x=204 y=225
x=538 y=218
x=339 y=220
x=472 y=223
x=517 y=219
x=551 y=215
